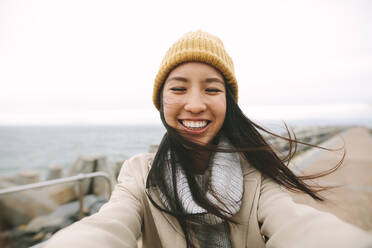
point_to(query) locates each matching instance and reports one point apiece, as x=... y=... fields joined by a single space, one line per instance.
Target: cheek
x=170 y=110
x=167 y=113
x=170 y=99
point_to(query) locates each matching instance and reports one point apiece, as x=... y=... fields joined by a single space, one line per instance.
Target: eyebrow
x=207 y=80
x=214 y=79
x=178 y=79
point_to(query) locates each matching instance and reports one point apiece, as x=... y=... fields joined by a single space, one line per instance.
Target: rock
x=19 y=208
x=38 y=236
x=41 y=228
x=101 y=187
x=12 y=179
x=4 y=183
x=86 y=164
x=39 y=222
x=5 y=239
x=28 y=176
x=23 y=239
x=62 y=193
x=72 y=207
x=98 y=185
x=95 y=207
x=54 y=172
x=60 y=216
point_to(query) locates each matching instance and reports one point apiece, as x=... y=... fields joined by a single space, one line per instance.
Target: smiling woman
x=214 y=181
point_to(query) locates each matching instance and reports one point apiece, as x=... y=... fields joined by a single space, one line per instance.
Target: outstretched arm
x=287 y=224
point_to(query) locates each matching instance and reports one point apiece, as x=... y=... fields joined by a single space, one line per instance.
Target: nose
x=195 y=103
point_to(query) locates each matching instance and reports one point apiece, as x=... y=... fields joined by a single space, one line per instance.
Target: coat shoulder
x=137 y=166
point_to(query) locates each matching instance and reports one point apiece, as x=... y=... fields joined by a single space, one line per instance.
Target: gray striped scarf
x=223 y=177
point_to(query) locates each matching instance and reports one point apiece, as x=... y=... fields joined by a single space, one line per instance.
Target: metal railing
x=79 y=178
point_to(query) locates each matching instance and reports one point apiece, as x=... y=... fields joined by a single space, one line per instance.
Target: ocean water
x=37 y=147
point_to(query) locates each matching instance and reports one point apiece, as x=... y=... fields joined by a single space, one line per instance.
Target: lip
x=191 y=131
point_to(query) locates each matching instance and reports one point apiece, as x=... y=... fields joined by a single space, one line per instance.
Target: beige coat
x=266 y=210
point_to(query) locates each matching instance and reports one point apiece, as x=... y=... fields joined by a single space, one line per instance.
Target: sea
x=38 y=147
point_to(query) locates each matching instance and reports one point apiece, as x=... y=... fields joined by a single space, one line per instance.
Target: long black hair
x=244 y=135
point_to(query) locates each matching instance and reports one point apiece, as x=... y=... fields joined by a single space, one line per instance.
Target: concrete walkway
x=352 y=199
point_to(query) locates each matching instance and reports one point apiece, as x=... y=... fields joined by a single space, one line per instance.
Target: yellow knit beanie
x=198 y=46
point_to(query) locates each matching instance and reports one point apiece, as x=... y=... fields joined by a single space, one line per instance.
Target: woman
x=214 y=181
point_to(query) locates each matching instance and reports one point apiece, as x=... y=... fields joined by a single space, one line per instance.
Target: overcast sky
x=86 y=61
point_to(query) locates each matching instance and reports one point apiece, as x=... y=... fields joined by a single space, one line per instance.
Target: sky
x=94 y=61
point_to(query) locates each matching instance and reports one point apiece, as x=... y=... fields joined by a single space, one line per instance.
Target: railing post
x=81 y=199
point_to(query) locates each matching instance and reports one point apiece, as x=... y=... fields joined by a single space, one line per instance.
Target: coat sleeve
x=288 y=224
x=118 y=223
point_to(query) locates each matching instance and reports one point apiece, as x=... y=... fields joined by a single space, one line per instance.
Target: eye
x=178 y=89
x=213 y=90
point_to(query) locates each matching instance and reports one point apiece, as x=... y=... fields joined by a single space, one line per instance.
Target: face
x=194 y=101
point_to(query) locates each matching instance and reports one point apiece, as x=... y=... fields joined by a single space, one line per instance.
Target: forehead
x=195 y=68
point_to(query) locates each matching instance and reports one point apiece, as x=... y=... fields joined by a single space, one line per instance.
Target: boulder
x=28 y=176
x=54 y=172
x=97 y=185
x=72 y=208
x=62 y=193
x=64 y=212
x=39 y=222
x=19 y=208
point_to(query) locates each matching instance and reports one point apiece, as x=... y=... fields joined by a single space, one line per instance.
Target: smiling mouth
x=194 y=125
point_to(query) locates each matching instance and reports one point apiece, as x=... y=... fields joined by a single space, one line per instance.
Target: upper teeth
x=194 y=124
